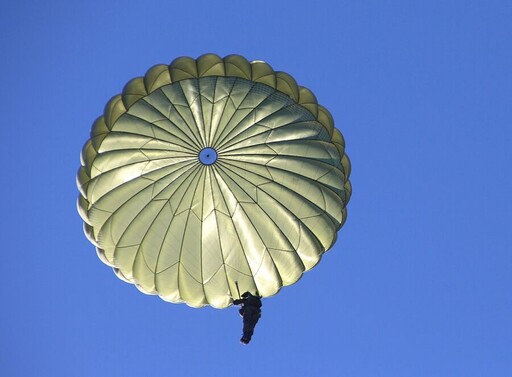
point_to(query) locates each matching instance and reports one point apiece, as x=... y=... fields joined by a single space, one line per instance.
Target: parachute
x=212 y=172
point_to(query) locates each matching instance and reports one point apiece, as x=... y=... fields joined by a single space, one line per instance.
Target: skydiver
x=251 y=312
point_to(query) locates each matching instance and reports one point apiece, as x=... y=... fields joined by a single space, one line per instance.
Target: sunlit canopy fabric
x=213 y=171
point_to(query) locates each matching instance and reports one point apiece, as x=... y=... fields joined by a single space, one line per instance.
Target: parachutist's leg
x=248 y=331
x=250 y=321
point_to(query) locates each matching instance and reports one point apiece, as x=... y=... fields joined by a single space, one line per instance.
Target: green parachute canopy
x=210 y=172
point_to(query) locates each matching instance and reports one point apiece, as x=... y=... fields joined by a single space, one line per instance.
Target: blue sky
x=419 y=281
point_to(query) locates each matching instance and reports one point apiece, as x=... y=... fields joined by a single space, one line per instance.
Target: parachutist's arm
x=238 y=302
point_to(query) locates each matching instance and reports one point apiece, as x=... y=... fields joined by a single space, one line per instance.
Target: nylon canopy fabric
x=208 y=172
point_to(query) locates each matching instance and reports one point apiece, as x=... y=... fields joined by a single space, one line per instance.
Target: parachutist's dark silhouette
x=251 y=313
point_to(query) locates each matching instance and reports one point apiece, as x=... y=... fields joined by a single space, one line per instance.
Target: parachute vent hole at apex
x=208 y=156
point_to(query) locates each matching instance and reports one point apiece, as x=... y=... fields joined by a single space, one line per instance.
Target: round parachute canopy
x=208 y=173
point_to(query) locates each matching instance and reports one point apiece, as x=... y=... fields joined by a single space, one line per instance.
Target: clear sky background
x=419 y=281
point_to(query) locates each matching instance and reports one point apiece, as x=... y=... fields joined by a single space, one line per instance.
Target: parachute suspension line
x=238 y=290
